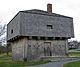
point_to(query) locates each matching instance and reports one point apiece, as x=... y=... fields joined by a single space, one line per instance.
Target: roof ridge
x=38 y=11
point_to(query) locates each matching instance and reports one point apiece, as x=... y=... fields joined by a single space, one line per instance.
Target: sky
x=9 y=8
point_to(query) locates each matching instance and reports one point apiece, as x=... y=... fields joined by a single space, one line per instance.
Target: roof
x=42 y=12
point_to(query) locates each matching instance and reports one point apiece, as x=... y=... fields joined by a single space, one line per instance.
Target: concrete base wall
x=35 y=49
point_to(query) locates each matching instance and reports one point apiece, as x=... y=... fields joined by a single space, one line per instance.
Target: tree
x=2 y=37
x=3 y=33
x=73 y=44
x=2 y=29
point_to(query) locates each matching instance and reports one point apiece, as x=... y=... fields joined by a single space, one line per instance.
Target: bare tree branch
x=3 y=30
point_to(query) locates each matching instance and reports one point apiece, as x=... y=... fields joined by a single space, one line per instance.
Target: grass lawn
x=5 y=61
x=74 y=54
x=72 y=64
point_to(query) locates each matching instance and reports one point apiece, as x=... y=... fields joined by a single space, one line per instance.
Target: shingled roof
x=42 y=12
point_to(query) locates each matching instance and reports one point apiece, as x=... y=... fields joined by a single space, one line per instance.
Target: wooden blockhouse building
x=36 y=33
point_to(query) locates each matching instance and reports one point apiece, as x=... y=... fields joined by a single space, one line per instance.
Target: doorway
x=47 y=49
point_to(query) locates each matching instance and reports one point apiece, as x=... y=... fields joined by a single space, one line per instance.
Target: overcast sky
x=8 y=9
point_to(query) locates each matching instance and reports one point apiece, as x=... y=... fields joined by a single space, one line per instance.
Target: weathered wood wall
x=36 y=25
x=35 y=49
x=15 y=26
x=18 y=48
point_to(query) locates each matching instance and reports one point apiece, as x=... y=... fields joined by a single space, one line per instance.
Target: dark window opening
x=49 y=27
x=11 y=31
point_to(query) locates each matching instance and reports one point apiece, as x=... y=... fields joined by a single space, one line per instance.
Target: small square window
x=49 y=27
x=11 y=31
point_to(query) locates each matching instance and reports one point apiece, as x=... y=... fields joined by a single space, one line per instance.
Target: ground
x=7 y=61
x=56 y=62
x=72 y=64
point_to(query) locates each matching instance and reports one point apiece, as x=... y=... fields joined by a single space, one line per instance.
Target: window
x=11 y=31
x=49 y=27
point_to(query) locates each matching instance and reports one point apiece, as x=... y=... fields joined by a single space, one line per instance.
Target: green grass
x=74 y=54
x=72 y=64
x=5 y=61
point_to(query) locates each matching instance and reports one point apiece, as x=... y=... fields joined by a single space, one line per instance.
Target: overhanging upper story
x=40 y=23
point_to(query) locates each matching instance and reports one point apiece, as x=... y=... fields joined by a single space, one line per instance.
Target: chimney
x=49 y=8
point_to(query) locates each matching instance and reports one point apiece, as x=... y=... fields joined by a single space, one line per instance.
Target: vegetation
x=5 y=61
x=74 y=54
x=72 y=64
